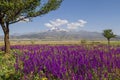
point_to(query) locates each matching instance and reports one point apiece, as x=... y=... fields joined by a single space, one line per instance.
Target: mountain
x=62 y=35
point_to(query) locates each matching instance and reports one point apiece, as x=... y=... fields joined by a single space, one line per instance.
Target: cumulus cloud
x=58 y=23
x=75 y=25
x=48 y=25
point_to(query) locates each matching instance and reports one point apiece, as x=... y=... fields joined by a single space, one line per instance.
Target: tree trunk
x=108 y=42
x=108 y=45
x=5 y=29
x=7 y=42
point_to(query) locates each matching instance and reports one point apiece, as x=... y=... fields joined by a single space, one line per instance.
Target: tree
x=13 y=11
x=108 y=34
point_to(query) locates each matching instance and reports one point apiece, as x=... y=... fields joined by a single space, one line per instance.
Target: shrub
x=7 y=70
x=83 y=41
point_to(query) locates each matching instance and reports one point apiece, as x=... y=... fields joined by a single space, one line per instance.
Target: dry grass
x=57 y=42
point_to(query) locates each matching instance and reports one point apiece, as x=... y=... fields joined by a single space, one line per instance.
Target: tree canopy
x=108 y=34
x=11 y=10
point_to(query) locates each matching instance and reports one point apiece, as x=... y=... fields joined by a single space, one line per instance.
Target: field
x=61 y=61
x=27 y=42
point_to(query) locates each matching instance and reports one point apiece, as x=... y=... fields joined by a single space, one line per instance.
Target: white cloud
x=48 y=25
x=58 y=23
x=82 y=21
x=75 y=25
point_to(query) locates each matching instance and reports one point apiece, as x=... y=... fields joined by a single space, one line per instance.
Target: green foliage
x=32 y=42
x=108 y=34
x=83 y=41
x=7 y=70
x=11 y=10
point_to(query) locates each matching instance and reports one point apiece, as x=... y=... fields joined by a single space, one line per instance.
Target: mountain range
x=61 y=35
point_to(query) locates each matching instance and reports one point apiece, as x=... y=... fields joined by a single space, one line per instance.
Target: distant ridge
x=61 y=35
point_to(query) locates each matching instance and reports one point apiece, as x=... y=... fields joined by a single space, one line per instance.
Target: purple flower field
x=68 y=62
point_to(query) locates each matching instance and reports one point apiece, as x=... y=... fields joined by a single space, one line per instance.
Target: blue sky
x=99 y=15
